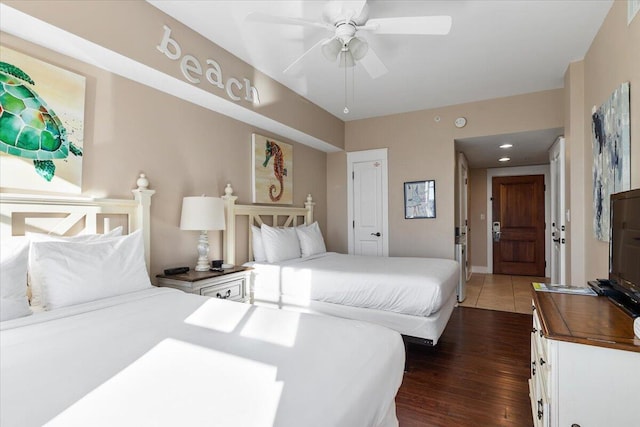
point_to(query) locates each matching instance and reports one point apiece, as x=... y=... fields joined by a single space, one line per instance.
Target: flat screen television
x=624 y=250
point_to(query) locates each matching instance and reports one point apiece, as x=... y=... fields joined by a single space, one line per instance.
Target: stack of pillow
x=273 y=244
x=65 y=271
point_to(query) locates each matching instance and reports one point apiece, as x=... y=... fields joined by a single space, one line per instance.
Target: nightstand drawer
x=232 y=290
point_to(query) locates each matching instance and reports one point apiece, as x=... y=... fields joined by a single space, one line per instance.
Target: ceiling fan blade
x=425 y=25
x=286 y=20
x=373 y=65
x=306 y=53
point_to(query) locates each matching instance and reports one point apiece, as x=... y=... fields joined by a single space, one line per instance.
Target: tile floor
x=500 y=292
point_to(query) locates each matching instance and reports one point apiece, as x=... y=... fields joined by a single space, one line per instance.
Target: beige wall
x=184 y=149
x=613 y=58
x=134 y=29
x=420 y=147
x=575 y=185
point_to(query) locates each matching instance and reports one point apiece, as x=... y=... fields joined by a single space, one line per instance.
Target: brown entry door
x=518 y=205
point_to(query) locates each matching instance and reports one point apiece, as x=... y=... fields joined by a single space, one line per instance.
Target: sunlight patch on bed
x=151 y=391
x=217 y=315
x=260 y=326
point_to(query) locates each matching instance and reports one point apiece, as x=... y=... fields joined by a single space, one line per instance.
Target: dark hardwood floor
x=476 y=375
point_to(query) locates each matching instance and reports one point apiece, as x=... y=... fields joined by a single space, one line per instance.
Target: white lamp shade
x=358 y=48
x=331 y=49
x=346 y=59
x=202 y=213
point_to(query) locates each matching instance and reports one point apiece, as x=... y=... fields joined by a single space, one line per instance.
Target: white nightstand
x=229 y=284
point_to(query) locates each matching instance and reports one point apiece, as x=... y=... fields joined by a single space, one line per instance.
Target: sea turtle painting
x=28 y=127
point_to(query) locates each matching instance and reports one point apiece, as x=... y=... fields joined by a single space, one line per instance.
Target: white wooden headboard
x=286 y=216
x=63 y=215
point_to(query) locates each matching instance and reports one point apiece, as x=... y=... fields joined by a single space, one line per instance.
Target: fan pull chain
x=346 y=108
x=353 y=85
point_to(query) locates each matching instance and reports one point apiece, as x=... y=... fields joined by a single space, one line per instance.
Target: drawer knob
x=533 y=368
x=542 y=362
x=534 y=330
x=225 y=296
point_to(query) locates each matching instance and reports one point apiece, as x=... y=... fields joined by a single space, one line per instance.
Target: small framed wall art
x=420 y=199
x=272 y=171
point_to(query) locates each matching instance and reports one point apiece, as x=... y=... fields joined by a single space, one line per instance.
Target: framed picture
x=42 y=131
x=420 y=199
x=272 y=171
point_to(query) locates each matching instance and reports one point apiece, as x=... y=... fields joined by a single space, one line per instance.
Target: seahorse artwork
x=279 y=171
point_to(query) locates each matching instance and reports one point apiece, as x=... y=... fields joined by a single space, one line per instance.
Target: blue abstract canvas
x=611 y=156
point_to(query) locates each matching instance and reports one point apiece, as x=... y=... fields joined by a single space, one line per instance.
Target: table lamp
x=204 y=214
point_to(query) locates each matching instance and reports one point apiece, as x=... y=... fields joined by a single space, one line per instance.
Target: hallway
x=500 y=292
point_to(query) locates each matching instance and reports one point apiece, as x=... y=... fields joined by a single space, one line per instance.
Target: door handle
x=496 y=231
x=376 y=234
x=556 y=240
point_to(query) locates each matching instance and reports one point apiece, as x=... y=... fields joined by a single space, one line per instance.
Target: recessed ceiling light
x=504 y=159
x=506 y=146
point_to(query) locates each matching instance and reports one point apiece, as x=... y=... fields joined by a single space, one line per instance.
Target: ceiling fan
x=345 y=19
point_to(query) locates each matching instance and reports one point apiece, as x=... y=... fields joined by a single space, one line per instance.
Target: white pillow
x=258 y=247
x=14 y=255
x=36 y=291
x=280 y=244
x=74 y=272
x=311 y=241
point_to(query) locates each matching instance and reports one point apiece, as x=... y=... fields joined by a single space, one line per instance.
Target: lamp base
x=203 y=252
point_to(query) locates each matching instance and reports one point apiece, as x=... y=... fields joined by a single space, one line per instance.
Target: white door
x=368 y=203
x=557 y=229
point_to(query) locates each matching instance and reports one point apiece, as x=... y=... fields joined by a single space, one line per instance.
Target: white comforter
x=414 y=286
x=161 y=357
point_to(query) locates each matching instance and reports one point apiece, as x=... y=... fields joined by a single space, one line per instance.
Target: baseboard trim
x=478 y=269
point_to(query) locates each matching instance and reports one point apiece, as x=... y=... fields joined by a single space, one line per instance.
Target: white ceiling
x=529 y=148
x=495 y=49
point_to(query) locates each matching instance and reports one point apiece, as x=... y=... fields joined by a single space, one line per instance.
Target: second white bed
x=414 y=296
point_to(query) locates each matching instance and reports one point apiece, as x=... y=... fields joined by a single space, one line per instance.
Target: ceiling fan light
x=358 y=48
x=331 y=49
x=346 y=59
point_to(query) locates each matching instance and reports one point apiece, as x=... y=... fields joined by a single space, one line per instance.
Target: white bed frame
x=286 y=216
x=422 y=330
x=62 y=215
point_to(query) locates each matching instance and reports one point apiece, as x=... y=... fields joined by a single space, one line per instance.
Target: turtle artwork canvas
x=41 y=125
x=272 y=171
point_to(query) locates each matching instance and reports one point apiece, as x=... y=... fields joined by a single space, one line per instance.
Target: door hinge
x=491 y=198
x=545 y=264
x=465 y=181
x=353 y=175
x=354 y=224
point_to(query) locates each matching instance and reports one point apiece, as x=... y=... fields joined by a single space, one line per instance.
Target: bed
x=413 y=296
x=141 y=355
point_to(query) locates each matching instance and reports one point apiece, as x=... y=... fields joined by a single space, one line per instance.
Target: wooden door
x=518 y=205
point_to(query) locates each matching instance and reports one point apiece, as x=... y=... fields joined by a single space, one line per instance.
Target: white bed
x=414 y=296
x=158 y=356
x=163 y=357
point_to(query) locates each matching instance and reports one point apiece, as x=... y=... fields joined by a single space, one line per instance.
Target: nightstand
x=228 y=284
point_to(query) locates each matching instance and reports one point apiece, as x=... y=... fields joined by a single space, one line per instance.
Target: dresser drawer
x=232 y=290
